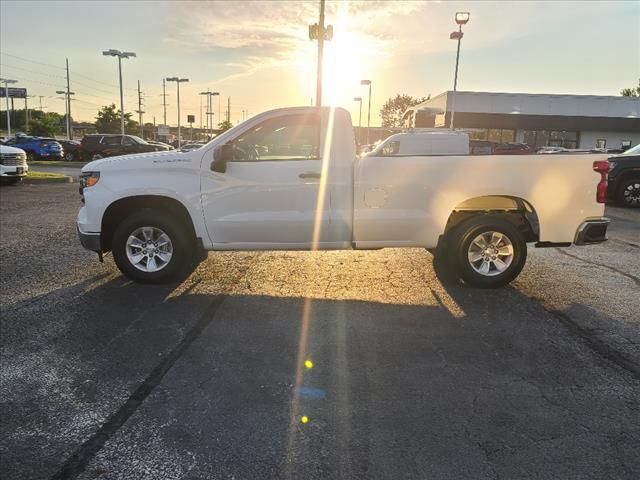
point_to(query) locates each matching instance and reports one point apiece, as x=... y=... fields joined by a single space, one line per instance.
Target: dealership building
x=570 y=121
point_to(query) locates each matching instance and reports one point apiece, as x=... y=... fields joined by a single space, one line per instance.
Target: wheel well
x=515 y=210
x=120 y=209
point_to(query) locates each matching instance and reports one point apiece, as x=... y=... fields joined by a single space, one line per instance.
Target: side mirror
x=222 y=155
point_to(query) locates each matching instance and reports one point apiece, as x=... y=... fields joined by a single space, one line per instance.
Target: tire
x=497 y=263
x=628 y=194
x=69 y=156
x=145 y=224
x=31 y=157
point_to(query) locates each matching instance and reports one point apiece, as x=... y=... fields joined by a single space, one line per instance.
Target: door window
x=111 y=141
x=284 y=138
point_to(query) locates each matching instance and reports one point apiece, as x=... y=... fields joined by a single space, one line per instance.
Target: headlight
x=88 y=179
x=612 y=165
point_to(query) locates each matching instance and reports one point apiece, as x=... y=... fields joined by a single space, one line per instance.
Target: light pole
x=67 y=102
x=178 y=81
x=359 y=100
x=368 y=82
x=120 y=55
x=461 y=19
x=321 y=33
x=6 y=94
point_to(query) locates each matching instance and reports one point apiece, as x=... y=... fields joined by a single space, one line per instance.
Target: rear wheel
x=149 y=247
x=628 y=193
x=488 y=252
x=69 y=156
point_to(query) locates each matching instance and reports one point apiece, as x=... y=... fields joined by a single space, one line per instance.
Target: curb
x=40 y=181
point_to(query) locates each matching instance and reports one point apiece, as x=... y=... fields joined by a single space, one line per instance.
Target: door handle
x=309 y=175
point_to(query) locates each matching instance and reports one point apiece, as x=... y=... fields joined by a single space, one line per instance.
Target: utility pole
x=319 y=32
x=228 y=109
x=67 y=96
x=140 y=112
x=26 y=112
x=69 y=124
x=41 y=97
x=164 y=100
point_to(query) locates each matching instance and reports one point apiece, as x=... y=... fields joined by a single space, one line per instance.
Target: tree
x=391 y=112
x=631 y=92
x=224 y=126
x=47 y=125
x=108 y=121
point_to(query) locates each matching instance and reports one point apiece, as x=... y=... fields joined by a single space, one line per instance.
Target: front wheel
x=149 y=247
x=628 y=194
x=488 y=252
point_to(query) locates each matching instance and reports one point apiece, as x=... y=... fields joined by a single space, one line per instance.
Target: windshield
x=633 y=151
x=138 y=139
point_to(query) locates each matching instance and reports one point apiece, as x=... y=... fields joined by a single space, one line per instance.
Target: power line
x=6 y=65
x=31 y=61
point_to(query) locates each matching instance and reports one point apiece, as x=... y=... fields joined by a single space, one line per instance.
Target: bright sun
x=348 y=58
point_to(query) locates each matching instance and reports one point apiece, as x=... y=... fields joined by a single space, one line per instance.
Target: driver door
x=268 y=195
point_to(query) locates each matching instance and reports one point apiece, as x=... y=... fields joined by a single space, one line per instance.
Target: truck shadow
x=419 y=389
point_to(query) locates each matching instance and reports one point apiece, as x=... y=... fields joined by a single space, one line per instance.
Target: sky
x=257 y=53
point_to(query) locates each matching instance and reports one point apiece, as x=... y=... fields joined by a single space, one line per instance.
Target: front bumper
x=90 y=241
x=592 y=230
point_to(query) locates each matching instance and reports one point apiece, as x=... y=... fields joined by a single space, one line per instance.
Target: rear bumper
x=592 y=230
x=90 y=241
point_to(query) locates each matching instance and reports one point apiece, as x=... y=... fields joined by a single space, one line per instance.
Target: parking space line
x=78 y=461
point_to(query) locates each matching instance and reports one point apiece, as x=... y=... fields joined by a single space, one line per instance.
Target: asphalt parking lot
x=396 y=375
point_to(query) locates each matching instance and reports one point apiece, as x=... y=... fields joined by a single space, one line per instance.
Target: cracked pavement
x=101 y=378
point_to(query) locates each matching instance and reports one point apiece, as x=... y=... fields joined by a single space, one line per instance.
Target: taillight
x=43 y=144
x=602 y=167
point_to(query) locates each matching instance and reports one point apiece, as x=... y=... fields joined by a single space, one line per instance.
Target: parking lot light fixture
x=178 y=81
x=6 y=82
x=117 y=53
x=359 y=100
x=368 y=82
x=461 y=18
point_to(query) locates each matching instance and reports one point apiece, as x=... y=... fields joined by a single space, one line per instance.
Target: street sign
x=191 y=119
x=13 y=92
x=163 y=130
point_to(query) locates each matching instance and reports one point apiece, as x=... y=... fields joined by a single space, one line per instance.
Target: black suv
x=100 y=145
x=624 y=178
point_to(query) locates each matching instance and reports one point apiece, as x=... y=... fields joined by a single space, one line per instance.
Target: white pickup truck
x=289 y=179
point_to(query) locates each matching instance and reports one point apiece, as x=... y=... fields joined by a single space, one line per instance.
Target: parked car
x=273 y=182
x=191 y=146
x=624 y=178
x=513 y=149
x=13 y=164
x=73 y=151
x=101 y=145
x=166 y=146
x=37 y=148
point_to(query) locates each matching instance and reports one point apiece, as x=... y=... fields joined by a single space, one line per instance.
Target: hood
x=6 y=149
x=139 y=159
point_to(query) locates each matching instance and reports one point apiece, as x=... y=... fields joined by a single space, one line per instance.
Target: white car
x=13 y=164
x=289 y=179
